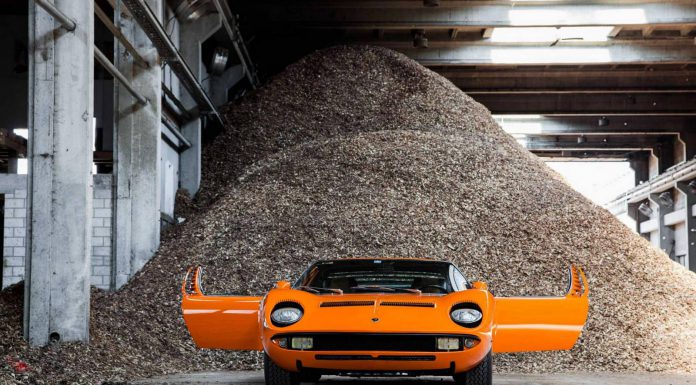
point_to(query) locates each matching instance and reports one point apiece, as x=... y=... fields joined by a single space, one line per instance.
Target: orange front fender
x=523 y=324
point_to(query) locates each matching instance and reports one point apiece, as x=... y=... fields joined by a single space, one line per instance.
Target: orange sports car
x=377 y=317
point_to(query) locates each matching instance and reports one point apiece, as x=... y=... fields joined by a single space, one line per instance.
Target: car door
x=541 y=323
x=220 y=321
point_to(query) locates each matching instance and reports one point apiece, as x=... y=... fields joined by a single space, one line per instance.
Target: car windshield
x=375 y=275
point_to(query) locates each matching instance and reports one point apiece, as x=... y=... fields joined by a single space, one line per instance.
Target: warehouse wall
x=14 y=187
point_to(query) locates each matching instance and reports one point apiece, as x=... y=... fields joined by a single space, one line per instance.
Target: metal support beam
x=118 y=35
x=61 y=107
x=689 y=202
x=150 y=24
x=104 y=61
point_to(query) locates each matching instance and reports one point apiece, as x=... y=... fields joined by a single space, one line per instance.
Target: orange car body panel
x=508 y=324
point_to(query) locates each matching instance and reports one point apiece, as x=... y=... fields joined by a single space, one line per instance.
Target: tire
x=481 y=374
x=275 y=375
x=310 y=377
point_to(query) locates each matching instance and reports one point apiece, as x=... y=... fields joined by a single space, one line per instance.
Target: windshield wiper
x=317 y=290
x=384 y=289
x=408 y=290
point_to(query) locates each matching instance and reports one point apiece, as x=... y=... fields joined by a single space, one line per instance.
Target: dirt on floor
x=360 y=151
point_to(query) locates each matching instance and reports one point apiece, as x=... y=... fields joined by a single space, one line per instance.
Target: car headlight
x=285 y=314
x=466 y=316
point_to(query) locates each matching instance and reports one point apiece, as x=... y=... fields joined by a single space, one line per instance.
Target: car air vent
x=411 y=304
x=346 y=303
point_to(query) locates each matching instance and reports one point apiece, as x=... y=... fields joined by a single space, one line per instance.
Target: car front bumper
x=377 y=353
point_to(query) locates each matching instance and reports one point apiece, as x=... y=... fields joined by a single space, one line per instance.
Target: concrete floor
x=256 y=377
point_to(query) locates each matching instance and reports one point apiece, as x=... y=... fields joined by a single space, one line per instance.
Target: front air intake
x=346 y=303
x=407 y=304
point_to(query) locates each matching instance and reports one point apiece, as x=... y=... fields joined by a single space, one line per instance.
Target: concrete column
x=638 y=217
x=192 y=37
x=12 y=165
x=641 y=168
x=221 y=84
x=688 y=138
x=137 y=152
x=61 y=82
x=690 y=201
x=665 y=156
x=665 y=233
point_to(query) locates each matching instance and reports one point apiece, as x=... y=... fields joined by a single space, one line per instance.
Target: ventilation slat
x=346 y=303
x=407 y=304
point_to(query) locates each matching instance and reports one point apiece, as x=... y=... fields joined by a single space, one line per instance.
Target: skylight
x=549 y=34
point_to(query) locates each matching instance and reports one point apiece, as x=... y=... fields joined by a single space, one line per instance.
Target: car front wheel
x=275 y=375
x=481 y=374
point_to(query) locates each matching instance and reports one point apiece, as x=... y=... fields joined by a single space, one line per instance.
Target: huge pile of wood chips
x=359 y=151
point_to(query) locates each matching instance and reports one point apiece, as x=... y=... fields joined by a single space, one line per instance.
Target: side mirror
x=480 y=285
x=283 y=285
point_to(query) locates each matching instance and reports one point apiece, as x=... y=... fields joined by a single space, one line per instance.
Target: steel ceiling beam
x=614 y=53
x=596 y=104
x=590 y=156
x=590 y=125
x=635 y=143
x=585 y=79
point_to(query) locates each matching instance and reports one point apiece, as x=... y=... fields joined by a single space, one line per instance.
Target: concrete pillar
x=665 y=156
x=137 y=151
x=61 y=82
x=690 y=201
x=640 y=166
x=221 y=84
x=688 y=138
x=665 y=233
x=192 y=37
x=12 y=164
x=638 y=217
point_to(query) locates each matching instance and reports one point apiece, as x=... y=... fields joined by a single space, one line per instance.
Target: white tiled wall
x=14 y=237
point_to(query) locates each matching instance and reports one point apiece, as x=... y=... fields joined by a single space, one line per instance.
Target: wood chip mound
x=359 y=151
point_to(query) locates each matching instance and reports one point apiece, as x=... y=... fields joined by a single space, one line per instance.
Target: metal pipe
x=57 y=14
x=185 y=143
x=119 y=35
x=150 y=24
x=104 y=61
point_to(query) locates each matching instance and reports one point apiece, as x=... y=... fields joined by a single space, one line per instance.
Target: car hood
x=377 y=312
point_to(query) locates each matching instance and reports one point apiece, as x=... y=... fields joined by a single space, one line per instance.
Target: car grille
x=364 y=357
x=375 y=341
